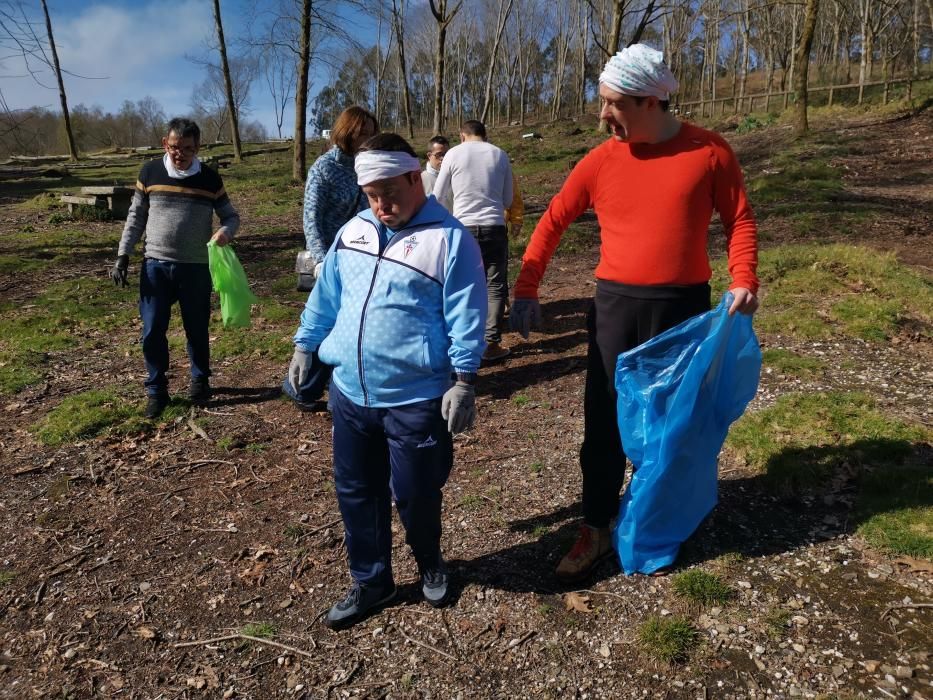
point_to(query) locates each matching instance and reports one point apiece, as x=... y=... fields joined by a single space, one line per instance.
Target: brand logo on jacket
x=429 y=442
x=359 y=241
x=410 y=244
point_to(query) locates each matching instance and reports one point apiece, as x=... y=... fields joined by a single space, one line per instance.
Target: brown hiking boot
x=494 y=351
x=592 y=546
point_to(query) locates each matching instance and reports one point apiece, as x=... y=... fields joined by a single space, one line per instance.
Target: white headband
x=381 y=165
x=639 y=71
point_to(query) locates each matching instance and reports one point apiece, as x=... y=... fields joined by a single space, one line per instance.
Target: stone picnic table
x=116 y=198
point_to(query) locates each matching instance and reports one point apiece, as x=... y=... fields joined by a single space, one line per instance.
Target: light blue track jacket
x=397 y=312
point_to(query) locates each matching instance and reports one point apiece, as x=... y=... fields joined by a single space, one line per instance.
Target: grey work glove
x=318 y=269
x=458 y=407
x=120 y=267
x=524 y=314
x=300 y=367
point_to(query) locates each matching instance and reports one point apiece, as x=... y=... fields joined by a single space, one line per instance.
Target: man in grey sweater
x=174 y=205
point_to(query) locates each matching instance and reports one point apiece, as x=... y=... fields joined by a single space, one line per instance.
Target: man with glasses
x=437 y=149
x=174 y=205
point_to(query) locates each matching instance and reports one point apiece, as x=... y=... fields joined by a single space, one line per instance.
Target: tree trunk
x=398 y=10
x=743 y=77
x=803 y=66
x=444 y=19
x=502 y=16
x=72 y=149
x=612 y=47
x=793 y=56
x=228 y=86
x=523 y=68
x=299 y=162
x=584 y=32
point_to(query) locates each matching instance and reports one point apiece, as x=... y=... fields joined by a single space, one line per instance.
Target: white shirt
x=428 y=178
x=480 y=177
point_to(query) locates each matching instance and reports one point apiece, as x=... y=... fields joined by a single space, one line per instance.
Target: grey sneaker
x=434 y=585
x=359 y=603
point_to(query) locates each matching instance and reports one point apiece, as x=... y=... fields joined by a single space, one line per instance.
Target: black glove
x=118 y=273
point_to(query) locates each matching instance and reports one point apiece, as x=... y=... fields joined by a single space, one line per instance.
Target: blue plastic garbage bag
x=677 y=395
x=313 y=388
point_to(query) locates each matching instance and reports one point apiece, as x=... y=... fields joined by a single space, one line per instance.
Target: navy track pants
x=403 y=452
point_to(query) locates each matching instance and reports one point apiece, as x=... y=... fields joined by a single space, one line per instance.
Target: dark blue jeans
x=403 y=452
x=161 y=284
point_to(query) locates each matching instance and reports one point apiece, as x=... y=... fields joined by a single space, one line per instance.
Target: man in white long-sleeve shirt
x=479 y=177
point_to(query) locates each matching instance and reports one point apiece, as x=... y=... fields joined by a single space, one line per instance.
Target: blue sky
x=137 y=48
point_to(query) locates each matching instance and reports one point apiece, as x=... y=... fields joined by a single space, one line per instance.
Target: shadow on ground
x=750 y=519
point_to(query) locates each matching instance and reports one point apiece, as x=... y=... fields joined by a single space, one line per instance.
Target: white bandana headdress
x=381 y=165
x=639 y=70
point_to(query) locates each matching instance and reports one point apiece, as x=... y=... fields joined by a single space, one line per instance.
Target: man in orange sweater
x=653 y=185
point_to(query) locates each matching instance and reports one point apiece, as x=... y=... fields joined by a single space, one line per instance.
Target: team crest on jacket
x=410 y=244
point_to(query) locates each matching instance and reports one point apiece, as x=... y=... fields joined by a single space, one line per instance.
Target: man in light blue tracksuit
x=399 y=311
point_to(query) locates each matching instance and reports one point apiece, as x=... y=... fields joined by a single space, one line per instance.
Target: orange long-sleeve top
x=654 y=203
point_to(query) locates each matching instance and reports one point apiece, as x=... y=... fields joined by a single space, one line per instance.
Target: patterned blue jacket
x=397 y=312
x=332 y=198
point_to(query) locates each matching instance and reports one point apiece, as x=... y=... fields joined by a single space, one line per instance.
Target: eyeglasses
x=186 y=151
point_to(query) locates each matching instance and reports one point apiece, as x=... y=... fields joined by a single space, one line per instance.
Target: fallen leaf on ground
x=575 y=601
x=915 y=564
x=254 y=574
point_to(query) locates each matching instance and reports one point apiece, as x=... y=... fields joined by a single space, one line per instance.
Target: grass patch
x=668 y=639
x=895 y=507
x=701 y=588
x=250 y=342
x=802 y=439
x=263 y=630
x=6 y=578
x=66 y=315
x=790 y=363
x=83 y=416
x=776 y=621
x=275 y=311
x=471 y=501
x=521 y=400
x=797 y=176
x=817 y=292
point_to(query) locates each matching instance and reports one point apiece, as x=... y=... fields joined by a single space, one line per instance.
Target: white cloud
x=136 y=51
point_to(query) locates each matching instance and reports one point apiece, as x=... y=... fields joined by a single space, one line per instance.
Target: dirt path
x=123 y=548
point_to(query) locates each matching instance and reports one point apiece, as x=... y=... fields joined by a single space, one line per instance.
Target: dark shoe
x=434 y=585
x=494 y=352
x=359 y=603
x=156 y=404
x=199 y=391
x=592 y=546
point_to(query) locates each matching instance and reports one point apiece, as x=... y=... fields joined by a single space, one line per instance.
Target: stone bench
x=113 y=197
x=74 y=200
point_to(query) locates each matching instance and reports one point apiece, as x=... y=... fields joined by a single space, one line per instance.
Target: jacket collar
x=431 y=212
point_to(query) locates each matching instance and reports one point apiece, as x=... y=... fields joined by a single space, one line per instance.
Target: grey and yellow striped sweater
x=176 y=215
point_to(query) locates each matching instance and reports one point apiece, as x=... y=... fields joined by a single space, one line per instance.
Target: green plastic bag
x=230 y=283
